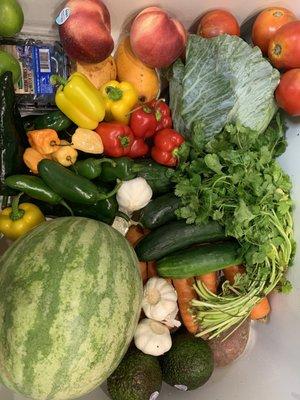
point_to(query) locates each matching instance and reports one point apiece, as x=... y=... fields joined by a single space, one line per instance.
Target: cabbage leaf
x=224 y=81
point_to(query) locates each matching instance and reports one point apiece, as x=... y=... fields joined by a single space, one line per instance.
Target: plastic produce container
x=269 y=368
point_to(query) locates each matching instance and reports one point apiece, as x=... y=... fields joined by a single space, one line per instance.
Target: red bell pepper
x=163 y=114
x=150 y=118
x=138 y=149
x=143 y=122
x=117 y=138
x=166 y=145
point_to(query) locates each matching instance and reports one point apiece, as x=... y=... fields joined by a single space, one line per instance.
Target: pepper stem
x=63 y=203
x=114 y=93
x=106 y=160
x=102 y=196
x=124 y=141
x=58 y=80
x=16 y=213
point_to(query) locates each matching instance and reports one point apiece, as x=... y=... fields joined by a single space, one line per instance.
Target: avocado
x=189 y=363
x=138 y=377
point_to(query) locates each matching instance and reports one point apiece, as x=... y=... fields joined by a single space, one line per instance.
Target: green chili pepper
x=54 y=120
x=123 y=170
x=71 y=186
x=34 y=187
x=91 y=168
x=104 y=210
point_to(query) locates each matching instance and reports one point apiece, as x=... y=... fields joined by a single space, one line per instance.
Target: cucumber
x=175 y=236
x=160 y=211
x=200 y=260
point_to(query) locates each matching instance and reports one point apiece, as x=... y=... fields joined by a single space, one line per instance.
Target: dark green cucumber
x=157 y=176
x=160 y=211
x=175 y=236
x=200 y=260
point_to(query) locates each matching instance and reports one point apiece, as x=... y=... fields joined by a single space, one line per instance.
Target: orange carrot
x=261 y=310
x=143 y=270
x=231 y=272
x=151 y=269
x=134 y=234
x=210 y=281
x=186 y=293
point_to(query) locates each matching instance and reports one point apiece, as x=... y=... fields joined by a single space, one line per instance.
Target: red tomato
x=288 y=92
x=218 y=22
x=267 y=24
x=284 y=47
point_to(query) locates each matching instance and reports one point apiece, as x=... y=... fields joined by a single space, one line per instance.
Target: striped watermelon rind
x=70 y=296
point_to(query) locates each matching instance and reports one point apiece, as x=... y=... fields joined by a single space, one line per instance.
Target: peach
x=86 y=33
x=156 y=38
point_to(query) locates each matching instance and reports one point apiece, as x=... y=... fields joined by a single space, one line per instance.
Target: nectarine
x=156 y=38
x=85 y=32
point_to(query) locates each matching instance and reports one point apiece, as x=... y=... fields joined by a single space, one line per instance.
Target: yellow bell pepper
x=119 y=98
x=17 y=220
x=79 y=100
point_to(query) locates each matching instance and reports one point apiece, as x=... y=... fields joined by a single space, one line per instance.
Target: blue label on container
x=42 y=70
x=63 y=16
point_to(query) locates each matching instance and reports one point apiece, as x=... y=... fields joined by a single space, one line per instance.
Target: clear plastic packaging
x=39 y=59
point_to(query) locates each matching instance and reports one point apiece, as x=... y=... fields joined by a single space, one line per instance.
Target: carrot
x=134 y=234
x=151 y=269
x=186 y=294
x=261 y=310
x=143 y=270
x=231 y=272
x=210 y=281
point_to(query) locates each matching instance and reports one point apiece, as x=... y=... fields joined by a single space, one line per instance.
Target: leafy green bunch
x=236 y=180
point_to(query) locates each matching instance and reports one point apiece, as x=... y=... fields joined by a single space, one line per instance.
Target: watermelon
x=70 y=297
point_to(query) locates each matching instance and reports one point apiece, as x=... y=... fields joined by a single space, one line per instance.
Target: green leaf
x=243 y=213
x=213 y=162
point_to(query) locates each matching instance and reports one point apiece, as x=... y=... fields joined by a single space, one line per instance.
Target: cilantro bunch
x=236 y=180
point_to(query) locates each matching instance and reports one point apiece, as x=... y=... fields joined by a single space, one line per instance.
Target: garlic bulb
x=134 y=195
x=159 y=299
x=152 y=337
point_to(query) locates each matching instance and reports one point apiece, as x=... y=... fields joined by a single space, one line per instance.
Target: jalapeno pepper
x=125 y=169
x=122 y=169
x=91 y=168
x=55 y=120
x=35 y=188
x=69 y=185
x=104 y=210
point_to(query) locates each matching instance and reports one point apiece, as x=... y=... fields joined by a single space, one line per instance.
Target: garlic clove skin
x=170 y=321
x=152 y=337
